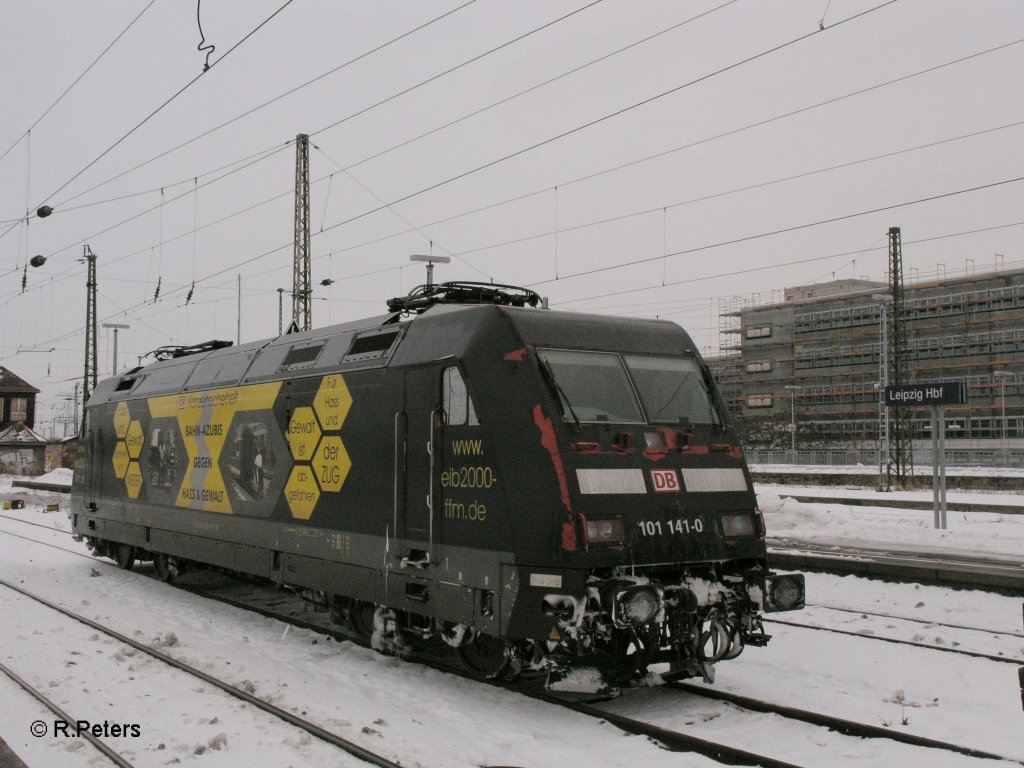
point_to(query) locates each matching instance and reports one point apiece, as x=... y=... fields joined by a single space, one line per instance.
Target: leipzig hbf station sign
x=920 y=395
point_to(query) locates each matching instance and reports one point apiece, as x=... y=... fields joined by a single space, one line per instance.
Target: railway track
x=673 y=740
x=912 y=643
x=927 y=622
x=283 y=715
x=102 y=747
x=839 y=725
x=322 y=627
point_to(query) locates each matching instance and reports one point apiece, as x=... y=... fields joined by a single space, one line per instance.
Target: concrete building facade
x=811 y=358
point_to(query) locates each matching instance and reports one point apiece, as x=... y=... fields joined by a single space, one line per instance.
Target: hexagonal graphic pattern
x=332 y=402
x=303 y=433
x=301 y=492
x=133 y=479
x=121 y=419
x=134 y=439
x=121 y=459
x=331 y=463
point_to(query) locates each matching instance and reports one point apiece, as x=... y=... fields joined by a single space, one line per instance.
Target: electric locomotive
x=539 y=490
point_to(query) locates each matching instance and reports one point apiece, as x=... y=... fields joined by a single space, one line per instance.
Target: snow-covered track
x=927 y=622
x=840 y=725
x=311 y=728
x=897 y=641
x=115 y=757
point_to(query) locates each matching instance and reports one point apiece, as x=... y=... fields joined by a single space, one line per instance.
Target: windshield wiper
x=563 y=398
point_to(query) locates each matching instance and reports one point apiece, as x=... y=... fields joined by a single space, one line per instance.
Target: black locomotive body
x=538 y=489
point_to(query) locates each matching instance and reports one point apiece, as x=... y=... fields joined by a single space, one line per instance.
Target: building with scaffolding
x=800 y=369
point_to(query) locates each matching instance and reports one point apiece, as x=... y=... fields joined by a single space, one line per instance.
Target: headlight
x=784 y=593
x=609 y=531
x=637 y=606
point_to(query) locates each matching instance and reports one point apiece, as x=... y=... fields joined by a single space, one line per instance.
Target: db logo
x=665 y=481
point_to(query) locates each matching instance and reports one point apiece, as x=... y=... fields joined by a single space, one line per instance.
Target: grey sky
x=675 y=203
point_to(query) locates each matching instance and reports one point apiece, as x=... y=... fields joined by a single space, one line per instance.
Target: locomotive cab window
x=672 y=388
x=457 y=404
x=592 y=386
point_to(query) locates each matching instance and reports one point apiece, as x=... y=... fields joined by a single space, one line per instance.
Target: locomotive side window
x=593 y=386
x=672 y=388
x=458 y=406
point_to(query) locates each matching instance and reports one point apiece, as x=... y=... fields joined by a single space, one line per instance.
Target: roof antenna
x=430 y=264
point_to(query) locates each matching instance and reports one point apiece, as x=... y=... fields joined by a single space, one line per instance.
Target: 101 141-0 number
x=657 y=528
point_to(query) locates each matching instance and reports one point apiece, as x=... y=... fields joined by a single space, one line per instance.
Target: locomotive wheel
x=166 y=568
x=124 y=554
x=360 y=618
x=484 y=657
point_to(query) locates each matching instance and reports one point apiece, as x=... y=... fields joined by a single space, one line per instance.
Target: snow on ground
x=432 y=719
x=977 y=533
x=59 y=476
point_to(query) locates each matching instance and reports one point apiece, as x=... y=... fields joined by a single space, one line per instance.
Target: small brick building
x=17 y=400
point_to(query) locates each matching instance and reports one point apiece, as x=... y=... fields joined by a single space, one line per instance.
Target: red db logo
x=665 y=481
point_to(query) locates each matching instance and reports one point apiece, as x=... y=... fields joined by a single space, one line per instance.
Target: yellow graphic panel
x=121 y=459
x=134 y=439
x=121 y=419
x=301 y=492
x=204 y=419
x=303 y=433
x=133 y=479
x=331 y=463
x=332 y=402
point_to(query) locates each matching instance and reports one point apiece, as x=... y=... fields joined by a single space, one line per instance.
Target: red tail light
x=734 y=526
x=606 y=531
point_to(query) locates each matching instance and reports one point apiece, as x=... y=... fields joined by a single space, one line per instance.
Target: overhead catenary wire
x=535 y=87
x=156 y=111
x=794 y=262
x=67 y=90
x=603 y=118
x=746 y=188
x=703 y=278
x=784 y=230
x=398 y=214
x=265 y=104
x=63 y=206
x=648 y=158
x=384 y=101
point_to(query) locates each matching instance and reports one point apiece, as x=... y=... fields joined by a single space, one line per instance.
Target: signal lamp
x=784 y=593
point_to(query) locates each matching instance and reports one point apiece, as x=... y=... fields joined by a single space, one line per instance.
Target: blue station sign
x=919 y=395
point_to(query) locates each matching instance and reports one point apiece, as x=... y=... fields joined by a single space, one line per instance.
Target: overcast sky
x=608 y=154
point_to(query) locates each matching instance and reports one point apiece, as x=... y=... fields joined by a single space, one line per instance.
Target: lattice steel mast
x=91 y=366
x=901 y=456
x=302 y=318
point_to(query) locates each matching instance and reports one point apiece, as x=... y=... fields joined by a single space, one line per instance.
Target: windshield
x=596 y=387
x=593 y=386
x=672 y=388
